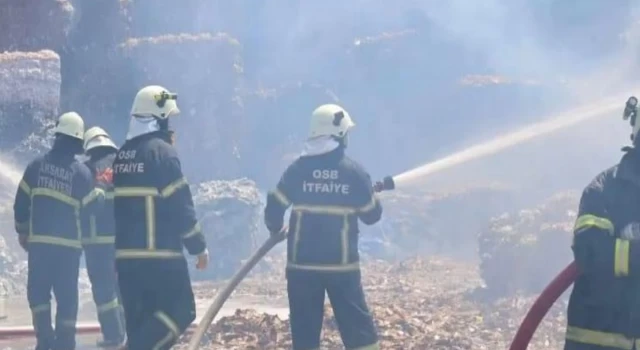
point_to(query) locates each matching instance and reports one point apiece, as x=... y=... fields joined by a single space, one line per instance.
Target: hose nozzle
x=630 y=109
x=386 y=184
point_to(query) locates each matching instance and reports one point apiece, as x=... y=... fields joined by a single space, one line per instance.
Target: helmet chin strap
x=163 y=124
x=344 y=140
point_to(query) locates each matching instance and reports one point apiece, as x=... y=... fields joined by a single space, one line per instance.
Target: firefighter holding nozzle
x=329 y=193
x=604 y=308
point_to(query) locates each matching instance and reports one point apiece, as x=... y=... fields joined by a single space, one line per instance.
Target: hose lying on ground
x=224 y=294
x=541 y=306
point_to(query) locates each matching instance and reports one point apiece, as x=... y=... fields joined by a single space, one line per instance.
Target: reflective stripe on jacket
x=328 y=194
x=153 y=206
x=53 y=200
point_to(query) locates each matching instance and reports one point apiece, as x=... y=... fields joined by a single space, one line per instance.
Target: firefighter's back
x=57 y=185
x=50 y=208
x=102 y=228
x=328 y=192
x=142 y=221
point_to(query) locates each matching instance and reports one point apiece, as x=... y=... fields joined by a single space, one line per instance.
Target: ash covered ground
x=420 y=303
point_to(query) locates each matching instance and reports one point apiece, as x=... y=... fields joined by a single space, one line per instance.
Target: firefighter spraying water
x=328 y=193
x=389 y=183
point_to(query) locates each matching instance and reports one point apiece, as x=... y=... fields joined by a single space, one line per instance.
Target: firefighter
x=329 y=193
x=98 y=241
x=155 y=218
x=50 y=209
x=604 y=308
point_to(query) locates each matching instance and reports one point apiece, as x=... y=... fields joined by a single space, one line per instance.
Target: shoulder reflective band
x=25 y=187
x=140 y=191
x=59 y=196
x=281 y=197
x=174 y=187
x=621 y=258
x=587 y=221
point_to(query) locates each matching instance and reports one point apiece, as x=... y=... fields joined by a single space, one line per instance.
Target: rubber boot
x=45 y=337
x=113 y=330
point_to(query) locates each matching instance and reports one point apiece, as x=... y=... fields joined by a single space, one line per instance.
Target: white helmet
x=70 y=124
x=97 y=137
x=155 y=101
x=330 y=120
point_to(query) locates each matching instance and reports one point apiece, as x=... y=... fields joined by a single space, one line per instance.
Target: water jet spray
x=508 y=140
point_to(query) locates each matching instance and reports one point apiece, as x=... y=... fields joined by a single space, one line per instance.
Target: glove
x=22 y=239
x=202 y=260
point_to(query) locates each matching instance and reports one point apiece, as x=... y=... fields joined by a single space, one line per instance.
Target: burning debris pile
x=523 y=251
x=418 y=304
x=420 y=222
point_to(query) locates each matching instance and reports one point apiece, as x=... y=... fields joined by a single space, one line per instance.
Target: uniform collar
x=319 y=145
x=629 y=167
x=163 y=135
x=139 y=126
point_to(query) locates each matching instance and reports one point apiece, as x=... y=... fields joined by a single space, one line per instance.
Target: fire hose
x=224 y=294
x=215 y=307
x=20 y=332
x=541 y=306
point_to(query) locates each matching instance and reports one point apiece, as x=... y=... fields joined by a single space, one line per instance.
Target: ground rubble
x=418 y=304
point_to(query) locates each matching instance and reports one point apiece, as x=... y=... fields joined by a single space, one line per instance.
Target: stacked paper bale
x=31 y=25
x=94 y=82
x=418 y=222
x=29 y=99
x=161 y=17
x=230 y=213
x=204 y=70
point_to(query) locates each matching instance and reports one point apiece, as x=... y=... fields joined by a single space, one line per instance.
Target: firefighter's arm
x=91 y=196
x=175 y=190
x=22 y=202
x=93 y=193
x=278 y=201
x=596 y=249
x=369 y=207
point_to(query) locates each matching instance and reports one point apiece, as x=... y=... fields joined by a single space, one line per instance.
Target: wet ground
x=15 y=313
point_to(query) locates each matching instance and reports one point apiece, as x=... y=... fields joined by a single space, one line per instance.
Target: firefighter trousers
x=100 y=259
x=158 y=301
x=306 y=291
x=54 y=268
